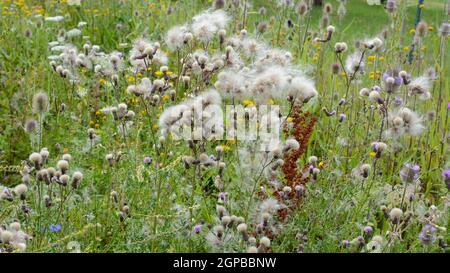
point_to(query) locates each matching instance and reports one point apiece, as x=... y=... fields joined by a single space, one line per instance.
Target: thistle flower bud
x=21 y=191
x=287 y=190
x=222 y=34
x=36 y=159
x=64 y=179
x=76 y=179
x=114 y=196
x=164 y=69
x=30 y=125
x=14 y=226
x=40 y=103
x=67 y=157
x=301 y=8
x=421 y=29
x=365 y=168
x=395 y=215
x=188 y=161
x=391 y=6
x=252 y=249
x=110 y=158
x=91 y=133
x=221 y=211
x=312 y=160
x=340 y=47
x=365 y=92
x=226 y=220
x=264 y=243
x=261 y=27
x=315 y=172
x=328 y=8
x=324 y=21
x=219 y=231
x=44 y=154
x=444 y=29
x=331 y=29
x=6 y=237
x=378 y=147
x=335 y=68
x=299 y=190
x=47 y=201
x=242 y=228
x=291 y=144
x=62 y=165
x=375 y=96
x=125 y=209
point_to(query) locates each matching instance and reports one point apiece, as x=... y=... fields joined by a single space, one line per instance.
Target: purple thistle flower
x=409 y=173
x=446 y=175
x=197 y=229
x=376 y=88
x=222 y=196
x=147 y=160
x=368 y=230
x=342 y=117
x=426 y=235
x=345 y=243
x=397 y=102
x=391 y=82
x=448 y=106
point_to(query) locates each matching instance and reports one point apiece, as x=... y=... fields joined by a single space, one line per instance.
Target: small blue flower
x=55 y=228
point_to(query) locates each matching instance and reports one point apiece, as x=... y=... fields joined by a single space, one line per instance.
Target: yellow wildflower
x=101 y=82
x=130 y=78
x=247 y=102
x=226 y=148
x=372 y=154
x=231 y=141
x=290 y=119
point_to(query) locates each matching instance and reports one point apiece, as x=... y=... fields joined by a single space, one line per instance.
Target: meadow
x=122 y=126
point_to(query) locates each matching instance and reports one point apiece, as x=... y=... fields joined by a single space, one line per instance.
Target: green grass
x=166 y=202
